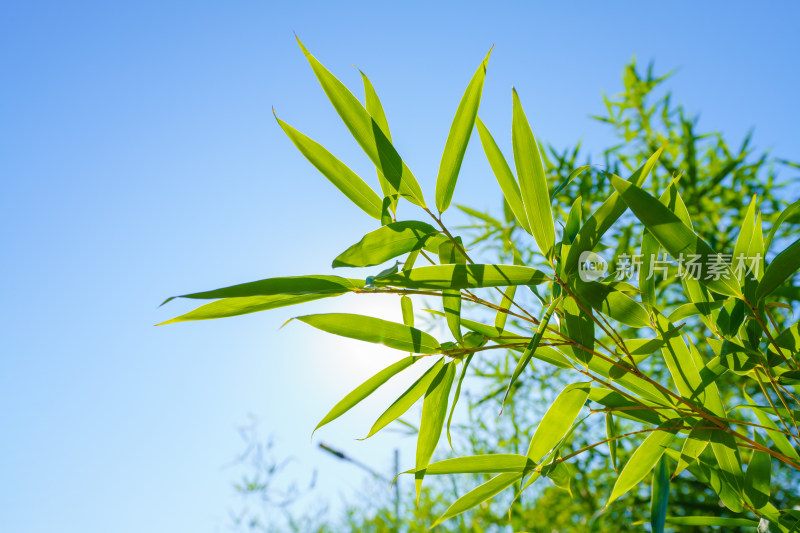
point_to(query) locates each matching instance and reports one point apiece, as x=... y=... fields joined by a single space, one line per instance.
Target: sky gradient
x=139 y=159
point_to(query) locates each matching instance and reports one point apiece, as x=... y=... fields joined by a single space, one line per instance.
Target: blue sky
x=139 y=159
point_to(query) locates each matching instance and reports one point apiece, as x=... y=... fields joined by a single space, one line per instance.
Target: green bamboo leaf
x=543 y=353
x=711 y=521
x=505 y=178
x=578 y=325
x=367 y=132
x=451 y=253
x=464 y=277
x=241 y=306
x=337 y=172
x=558 y=419
x=642 y=461
x=532 y=179
x=493 y=463
x=639 y=410
x=601 y=220
x=434 y=410
x=404 y=402
x=611 y=302
x=572 y=175
x=375 y=110
x=659 y=496
x=534 y=344
x=678 y=238
x=479 y=495
x=781 y=268
x=370 y=329
x=457 y=395
x=696 y=441
x=387 y=242
x=611 y=435
x=407 y=306
x=786 y=213
x=365 y=389
x=757 y=478
x=573 y=224
x=743 y=241
x=779 y=439
x=505 y=305
x=684 y=364
x=694 y=309
x=458 y=138
x=288 y=285
x=729 y=466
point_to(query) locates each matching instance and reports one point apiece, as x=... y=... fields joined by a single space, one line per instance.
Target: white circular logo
x=592 y=267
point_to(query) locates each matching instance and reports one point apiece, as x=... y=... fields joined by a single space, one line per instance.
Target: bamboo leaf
x=365 y=389
x=558 y=419
x=464 y=277
x=757 y=478
x=451 y=253
x=729 y=467
x=601 y=220
x=370 y=329
x=611 y=435
x=578 y=325
x=457 y=395
x=779 y=439
x=534 y=344
x=505 y=305
x=385 y=243
x=289 y=285
x=696 y=441
x=642 y=461
x=375 y=110
x=744 y=239
x=493 y=463
x=458 y=138
x=711 y=521
x=479 y=495
x=781 y=268
x=659 y=496
x=434 y=409
x=532 y=180
x=367 y=132
x=505 y=178
x=337 y=172
x=227 y=307
x=678 y=238
x=786 y=213
x=613 y=303
x=407 y=307
x=404 y=402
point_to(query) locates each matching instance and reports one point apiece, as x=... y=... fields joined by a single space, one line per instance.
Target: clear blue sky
x=139 y=159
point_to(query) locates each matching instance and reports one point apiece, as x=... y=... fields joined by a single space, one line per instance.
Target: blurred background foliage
x=717 y=180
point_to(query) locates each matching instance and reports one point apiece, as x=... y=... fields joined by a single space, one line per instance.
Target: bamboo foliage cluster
x=604 y=332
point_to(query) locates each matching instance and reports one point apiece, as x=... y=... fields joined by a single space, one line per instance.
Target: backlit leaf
x=365 y=389
x=367 y=132
x=464 y=277
x=385 y=243
x=532 y=180
x=458 y=138
x=558 y=419
x=642 y=461
x=337 y=172
x=434 y=410
x=370 y=329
